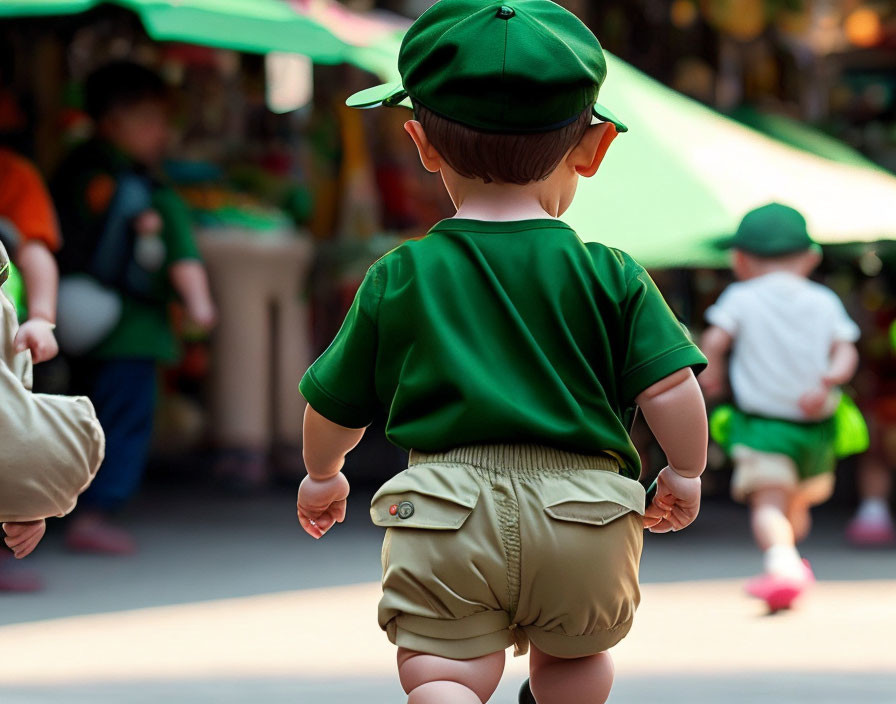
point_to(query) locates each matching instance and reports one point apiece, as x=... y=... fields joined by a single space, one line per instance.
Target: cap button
x=505 y=13
x=405 y=510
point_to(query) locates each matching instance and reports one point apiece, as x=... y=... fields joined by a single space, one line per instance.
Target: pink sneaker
x=871 y=534
x=779 y=593
x=94 y=534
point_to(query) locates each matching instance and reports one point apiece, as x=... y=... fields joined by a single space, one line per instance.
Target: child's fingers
x=650 y=522
x=656 y=509
x=28 y=547
x=325 y=521
x=17 y=537
x=309 y=525
x=20 y=541
x=682 y=517
x=338 y=509
x=663 y=526
x=14 y=529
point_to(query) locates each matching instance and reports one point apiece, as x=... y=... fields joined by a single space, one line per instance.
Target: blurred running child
x=128 y=240
x=791 y=346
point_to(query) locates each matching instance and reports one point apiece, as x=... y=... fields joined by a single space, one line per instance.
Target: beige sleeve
x=50 y=446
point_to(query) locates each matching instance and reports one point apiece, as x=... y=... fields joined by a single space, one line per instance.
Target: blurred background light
x=863 y=27
x=290 y=81
x=683 y=13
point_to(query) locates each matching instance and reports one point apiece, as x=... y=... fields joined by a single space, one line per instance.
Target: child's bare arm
x=843 y=364
x=191 y=283
x=323 y=493
x=41 y=277
x=844 y=360
x=675 y=411
x=715 y=344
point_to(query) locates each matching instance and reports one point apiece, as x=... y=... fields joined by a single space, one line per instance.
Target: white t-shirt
x=783 y=327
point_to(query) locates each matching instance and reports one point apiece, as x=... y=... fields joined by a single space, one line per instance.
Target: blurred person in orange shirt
x=29 y=230
x=30 y=233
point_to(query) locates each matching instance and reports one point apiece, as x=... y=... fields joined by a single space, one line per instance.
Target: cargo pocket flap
x=435 y=497
x=594 y=496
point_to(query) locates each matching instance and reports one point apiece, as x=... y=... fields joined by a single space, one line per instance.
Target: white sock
x=874 y=510
x=784 y=561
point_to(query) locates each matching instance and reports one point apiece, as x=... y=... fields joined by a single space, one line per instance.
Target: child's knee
x=479 y=675
x=816 y=490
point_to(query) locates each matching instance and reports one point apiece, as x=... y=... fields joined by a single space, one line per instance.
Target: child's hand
x=815 y=405
x=37 y=335
x=202 y=312
x=676 y=504
x=321 y=503
x=149 y=222
x=22 y=538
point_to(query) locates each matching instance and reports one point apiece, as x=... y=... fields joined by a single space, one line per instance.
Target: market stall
x=248 y=93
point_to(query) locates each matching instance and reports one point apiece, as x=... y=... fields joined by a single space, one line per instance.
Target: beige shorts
x=754 y=470
x=494 y=546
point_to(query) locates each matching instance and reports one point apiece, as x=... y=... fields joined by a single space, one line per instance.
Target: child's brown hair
x=501 y=158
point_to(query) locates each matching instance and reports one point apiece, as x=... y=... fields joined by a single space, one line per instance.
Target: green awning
x=802 y=136
x=684 y=175
x=321 y=30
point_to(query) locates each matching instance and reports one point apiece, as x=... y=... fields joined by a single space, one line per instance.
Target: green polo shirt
x=501 y=332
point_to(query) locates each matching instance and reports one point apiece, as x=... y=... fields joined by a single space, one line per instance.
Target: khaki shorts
x=494 y=546
x=754 y=470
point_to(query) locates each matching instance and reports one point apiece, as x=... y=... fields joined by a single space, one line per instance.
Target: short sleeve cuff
x=649 y=373
x=331 y=408
x=847 y=332
x=721 y=319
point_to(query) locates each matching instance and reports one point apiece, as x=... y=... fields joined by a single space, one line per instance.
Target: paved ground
x=228 y=602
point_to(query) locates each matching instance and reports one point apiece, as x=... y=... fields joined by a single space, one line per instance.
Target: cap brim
x=730 y=242
x=393 y=95
x=385 y=95
x=605 y=115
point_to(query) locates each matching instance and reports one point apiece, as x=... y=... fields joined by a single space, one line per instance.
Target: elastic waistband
x=515 y=457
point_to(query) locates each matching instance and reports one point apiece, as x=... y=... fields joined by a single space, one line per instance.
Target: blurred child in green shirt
x=128 y=232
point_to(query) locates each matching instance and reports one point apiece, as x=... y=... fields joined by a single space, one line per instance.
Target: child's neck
x=503 y=202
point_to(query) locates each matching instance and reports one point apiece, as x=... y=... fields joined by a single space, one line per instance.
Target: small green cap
x=771 y=231
x=524 y=66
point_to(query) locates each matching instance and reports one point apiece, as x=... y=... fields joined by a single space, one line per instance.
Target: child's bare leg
x=768 y=516
x=570 y=681
x=774 y=533
x=430 y=679
x=811 y=492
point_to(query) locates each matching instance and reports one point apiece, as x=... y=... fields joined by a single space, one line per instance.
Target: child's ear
x=590 y=152
x=811 y=261
x=741 y=264
x=430 y=158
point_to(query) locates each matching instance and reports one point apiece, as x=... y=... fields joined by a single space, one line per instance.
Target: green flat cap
x=526 y=66
x=771 y=231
